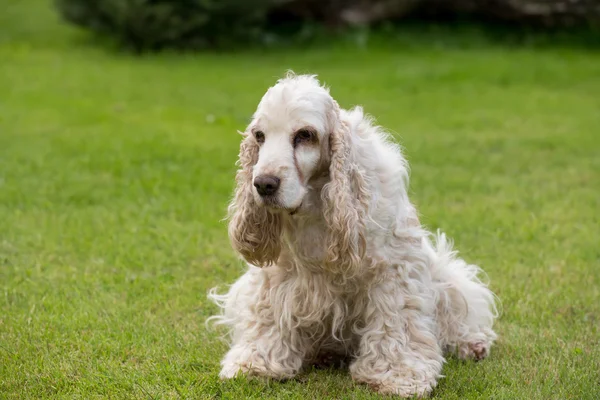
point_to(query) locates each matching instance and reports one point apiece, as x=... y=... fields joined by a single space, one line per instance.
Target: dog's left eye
x=260 y=137
x=303 y=135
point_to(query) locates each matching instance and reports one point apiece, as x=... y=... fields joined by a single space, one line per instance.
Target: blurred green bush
x=155 y=24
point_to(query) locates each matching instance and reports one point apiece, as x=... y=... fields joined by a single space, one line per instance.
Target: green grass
x=115 y=172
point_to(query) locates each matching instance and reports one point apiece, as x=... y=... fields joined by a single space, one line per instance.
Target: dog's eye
x=260 y=137
x=303 y=135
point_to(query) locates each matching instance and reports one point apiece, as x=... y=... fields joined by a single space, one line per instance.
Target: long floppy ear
x=345 y=199
x=254 y=232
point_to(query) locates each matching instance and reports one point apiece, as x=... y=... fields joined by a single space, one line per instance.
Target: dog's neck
x=305 y=232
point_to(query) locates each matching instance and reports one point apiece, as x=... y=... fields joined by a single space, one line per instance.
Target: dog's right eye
x=260 y=137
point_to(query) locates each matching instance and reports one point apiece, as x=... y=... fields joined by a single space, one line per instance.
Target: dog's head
x=296 y=136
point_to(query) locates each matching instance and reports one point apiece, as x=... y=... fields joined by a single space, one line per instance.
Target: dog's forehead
x=289 y=120
x=288 y=108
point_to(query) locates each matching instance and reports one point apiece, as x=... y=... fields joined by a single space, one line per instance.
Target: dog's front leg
x=398 y=351
x=260 y=347
x=266 y=355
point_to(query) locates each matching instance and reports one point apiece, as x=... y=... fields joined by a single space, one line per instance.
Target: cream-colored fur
x=338 y=262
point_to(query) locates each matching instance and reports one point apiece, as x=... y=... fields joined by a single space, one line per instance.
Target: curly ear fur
x=254 y=232
x=345 y=202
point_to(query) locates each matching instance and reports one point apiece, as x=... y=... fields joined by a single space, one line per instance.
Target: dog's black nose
x=266 y=185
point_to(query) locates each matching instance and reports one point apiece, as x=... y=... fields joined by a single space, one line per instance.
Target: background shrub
x=153 y=24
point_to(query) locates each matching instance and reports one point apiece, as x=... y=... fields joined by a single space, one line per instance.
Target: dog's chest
x=309 y=301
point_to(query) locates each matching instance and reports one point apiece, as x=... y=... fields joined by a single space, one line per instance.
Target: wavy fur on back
x=353 y=273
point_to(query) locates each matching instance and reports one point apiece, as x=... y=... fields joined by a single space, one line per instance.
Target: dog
x=338 y=262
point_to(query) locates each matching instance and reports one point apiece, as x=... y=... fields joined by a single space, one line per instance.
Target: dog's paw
x=255 y=365
x=403 y=385
x=403 y=382
x=230 y=371
x=474 y=350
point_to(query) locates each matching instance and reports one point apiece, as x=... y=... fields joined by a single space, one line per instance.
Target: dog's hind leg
x=466 y=308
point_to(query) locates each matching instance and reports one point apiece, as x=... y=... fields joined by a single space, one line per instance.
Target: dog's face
x=290 y=126
x=297 y=155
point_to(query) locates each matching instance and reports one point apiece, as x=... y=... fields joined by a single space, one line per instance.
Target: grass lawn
x=115 y=172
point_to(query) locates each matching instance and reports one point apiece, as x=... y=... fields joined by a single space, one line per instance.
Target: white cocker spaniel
x=338 y=263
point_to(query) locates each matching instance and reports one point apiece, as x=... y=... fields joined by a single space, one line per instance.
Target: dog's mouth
x=274 y=204
x=295 y=210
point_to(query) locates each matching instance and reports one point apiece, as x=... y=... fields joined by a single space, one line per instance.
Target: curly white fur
x=338 y=261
